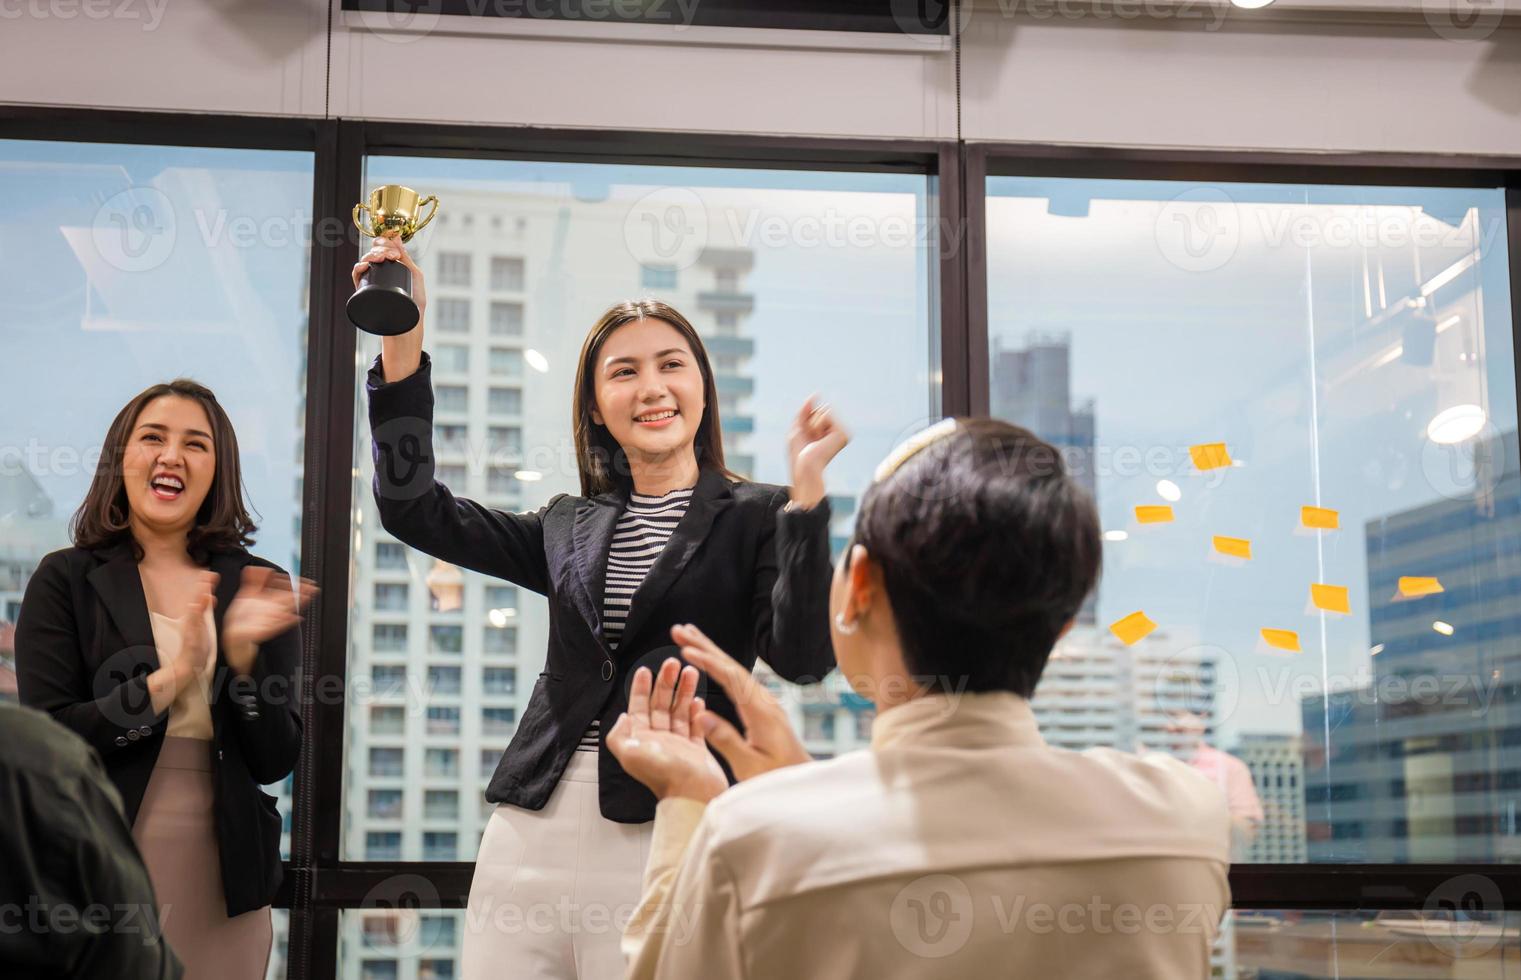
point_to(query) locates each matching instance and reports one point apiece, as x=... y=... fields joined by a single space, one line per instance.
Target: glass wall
x=130 y=265
x=789 y=277
x=1295 y=406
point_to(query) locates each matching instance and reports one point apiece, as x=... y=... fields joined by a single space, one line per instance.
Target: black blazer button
x=132 y=735
x=145 y=730
x=607 y=670
x=121 y=740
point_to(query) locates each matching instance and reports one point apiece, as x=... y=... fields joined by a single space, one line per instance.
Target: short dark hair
x=988 y=549
x=222 y=523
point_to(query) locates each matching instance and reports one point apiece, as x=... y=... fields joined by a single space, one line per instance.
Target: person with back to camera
x=173 y=652
x=959 y=844
x=662 y=532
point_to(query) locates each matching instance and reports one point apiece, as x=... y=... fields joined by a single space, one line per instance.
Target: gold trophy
x=383 y=303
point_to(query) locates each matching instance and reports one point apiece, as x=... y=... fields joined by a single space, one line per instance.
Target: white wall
x=1293 y=77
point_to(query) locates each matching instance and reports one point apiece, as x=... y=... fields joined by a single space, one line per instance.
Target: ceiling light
x=1443 y=628
x=1456 y=424
x=537 y=361
x=1116 y=535
x=529 y=476
x=1168 y=490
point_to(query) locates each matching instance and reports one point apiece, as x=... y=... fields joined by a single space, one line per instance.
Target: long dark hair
x=602 y=462
x=222 y=523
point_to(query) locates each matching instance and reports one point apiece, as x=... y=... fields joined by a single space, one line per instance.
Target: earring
x=839 y=624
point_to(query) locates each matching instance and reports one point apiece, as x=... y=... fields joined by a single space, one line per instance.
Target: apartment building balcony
x=725 y=301
x=734 y=384
x=728 y=344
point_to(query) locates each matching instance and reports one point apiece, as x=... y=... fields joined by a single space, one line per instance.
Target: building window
x=451 y=437
x=504 y=401
x=390 y=556
x=385 y=762
x=500 y=482
x=443 y=680
x=442 y=720
x=451 y=398
x=501 y=597
x=389 y=680
x=451 y=475
x=500 y=640
x=391 y=596
x=507 y=274
x=387 y=719
x=506 y=362
x=506 y=319
x=489 y=759
x=388 y=637
x=441 y=762
x=441 y=804
x=446 y=639
x=505 y=439
x=499 y=680
x=453 y=358
x=439 y=845
x=497 y=721
x=385 y=804
x=382 y=846
x=657 y=276
x=451 y=314
x=454 y=269
x=726 y=281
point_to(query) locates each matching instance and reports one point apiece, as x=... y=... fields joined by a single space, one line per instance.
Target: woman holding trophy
x=661 y=534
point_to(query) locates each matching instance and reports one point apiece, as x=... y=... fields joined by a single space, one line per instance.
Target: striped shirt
x=640 y=535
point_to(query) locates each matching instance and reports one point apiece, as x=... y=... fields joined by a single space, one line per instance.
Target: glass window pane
x=835 y=264
x=1347 y=349
x=403 y=942
x=144 y=264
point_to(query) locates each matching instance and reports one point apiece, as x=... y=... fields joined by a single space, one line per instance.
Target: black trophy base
x=383 y=304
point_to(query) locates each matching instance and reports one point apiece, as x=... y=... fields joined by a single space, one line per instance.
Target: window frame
x=318 y=885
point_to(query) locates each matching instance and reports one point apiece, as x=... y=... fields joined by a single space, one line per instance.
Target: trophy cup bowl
x=383 y=302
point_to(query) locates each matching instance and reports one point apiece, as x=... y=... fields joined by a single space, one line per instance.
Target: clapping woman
x=173 y=651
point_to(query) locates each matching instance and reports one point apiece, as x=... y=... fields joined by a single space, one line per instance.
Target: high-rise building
x=1277 y=769
x=442 y=661
x=1032 y=387
x=1421 y=763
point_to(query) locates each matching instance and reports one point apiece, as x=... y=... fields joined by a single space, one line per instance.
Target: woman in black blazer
x=662 y=534
x=170 y=649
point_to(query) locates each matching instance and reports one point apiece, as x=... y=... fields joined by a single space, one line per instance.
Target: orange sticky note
x=1132 y=627
x=1153 y=514
x=1413 y=587
x=1281 y=639
x=1234 y=547
x=1210 y=455
x=1319 y=517
x=1331 y=598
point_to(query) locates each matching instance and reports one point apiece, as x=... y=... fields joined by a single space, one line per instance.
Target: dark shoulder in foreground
x=34 y=742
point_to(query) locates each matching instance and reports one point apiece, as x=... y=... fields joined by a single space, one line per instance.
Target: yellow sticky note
x=1281 y=639
x=1210 y=455
x=1132 y=627
x=1234 y=547
x=1331 y=598
x=1412 y=587
x=1153 y=514
x=1319 y=517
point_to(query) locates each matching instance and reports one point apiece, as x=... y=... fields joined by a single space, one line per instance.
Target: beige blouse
x=190 y=713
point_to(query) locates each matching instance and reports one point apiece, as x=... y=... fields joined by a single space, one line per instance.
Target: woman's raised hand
x=815 y=438
x=263 y=609
x=392 y=249
x=769 y=741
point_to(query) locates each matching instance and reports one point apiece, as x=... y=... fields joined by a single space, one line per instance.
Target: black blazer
x=84 y=650
x=750 y=576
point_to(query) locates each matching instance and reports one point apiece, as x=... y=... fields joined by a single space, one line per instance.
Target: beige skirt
x=176 y=833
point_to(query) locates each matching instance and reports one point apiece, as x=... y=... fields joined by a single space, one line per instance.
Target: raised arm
x=790 y=607
x=423 y=512
x=413 y=505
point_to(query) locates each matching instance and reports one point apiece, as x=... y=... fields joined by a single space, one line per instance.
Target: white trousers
x=554 y=888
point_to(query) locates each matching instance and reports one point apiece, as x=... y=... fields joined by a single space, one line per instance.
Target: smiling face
x=649 y=389
x=168 y=464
